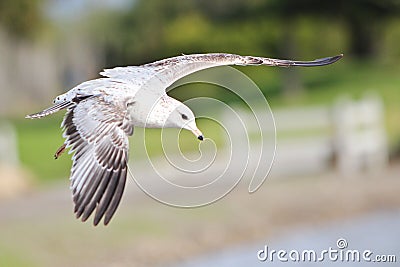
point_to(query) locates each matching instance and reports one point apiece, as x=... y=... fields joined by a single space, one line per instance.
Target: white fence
x=8 y=145
x=14 y=179
x=31 y=73
x=349 y=136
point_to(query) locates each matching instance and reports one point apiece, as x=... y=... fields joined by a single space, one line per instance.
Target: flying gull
x=102 y=113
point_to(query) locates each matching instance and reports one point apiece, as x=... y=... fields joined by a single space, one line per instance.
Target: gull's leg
x=59 y=151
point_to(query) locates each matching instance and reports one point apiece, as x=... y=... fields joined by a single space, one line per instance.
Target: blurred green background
x=49 y=46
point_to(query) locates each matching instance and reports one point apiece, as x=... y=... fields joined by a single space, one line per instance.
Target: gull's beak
x=199 y=135
x=193 y=128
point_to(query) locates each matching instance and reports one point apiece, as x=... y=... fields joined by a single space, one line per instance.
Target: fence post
x=360 y=138
x=8 y=145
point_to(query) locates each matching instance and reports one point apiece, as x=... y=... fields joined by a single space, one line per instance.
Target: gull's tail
x=50 y=110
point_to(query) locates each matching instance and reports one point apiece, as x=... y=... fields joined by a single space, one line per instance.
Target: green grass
x=11 y=257
x=39 y=139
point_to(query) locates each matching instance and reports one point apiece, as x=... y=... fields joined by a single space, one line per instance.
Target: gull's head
x=182 y=117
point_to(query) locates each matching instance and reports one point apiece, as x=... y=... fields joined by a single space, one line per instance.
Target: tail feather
x=50 y=110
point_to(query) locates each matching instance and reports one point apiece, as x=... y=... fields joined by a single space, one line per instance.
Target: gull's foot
x=59 y=151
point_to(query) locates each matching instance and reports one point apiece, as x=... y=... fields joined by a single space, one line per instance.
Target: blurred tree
x=150 y=30
x=364 y=19
x=21 y=18
x=363 y=22
x=139 y=34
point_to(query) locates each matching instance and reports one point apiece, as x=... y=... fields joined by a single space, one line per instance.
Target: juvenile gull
x=102 y=113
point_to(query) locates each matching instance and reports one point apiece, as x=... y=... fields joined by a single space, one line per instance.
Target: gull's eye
x=184 y=116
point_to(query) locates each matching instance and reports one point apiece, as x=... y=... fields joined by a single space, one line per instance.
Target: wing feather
x=169 y=70
x=94 y=201
x=105 y=199
x=116 y=198
x=97 y=132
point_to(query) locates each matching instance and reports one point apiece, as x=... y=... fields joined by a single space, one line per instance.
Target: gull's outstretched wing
x=97 y=131
x=169 y=70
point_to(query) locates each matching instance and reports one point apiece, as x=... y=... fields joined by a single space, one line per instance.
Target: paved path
x=378 y=232
x=40 y=230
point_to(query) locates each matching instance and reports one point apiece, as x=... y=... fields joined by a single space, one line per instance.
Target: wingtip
x=30 y=116
x=338 y=57
x=329 y=60
x=317 y=62
x=36 y=115
x=334 y=59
